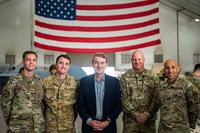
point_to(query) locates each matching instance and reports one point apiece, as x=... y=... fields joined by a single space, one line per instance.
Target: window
x=125 y=58
x=48 y=59
x=196 y=58
x=10 y=59
x=158 y=58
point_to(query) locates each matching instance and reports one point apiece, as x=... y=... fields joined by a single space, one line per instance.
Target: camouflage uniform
x=21 y=104
x=196 y=81
x=178 y=104
x=137 y=94
x=59 y=104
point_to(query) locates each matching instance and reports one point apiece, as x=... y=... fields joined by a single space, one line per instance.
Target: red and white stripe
x=101 y=26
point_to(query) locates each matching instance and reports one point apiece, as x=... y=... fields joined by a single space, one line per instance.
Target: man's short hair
x=28 y=52
x=102 y=55
x=64 y=56
x=197 y=66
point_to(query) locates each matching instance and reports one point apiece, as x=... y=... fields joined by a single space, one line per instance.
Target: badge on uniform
x=140 y=82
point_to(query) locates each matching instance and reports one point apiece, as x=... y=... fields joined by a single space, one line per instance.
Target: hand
x=98 y=125
x=94 y=124
x=103 y=124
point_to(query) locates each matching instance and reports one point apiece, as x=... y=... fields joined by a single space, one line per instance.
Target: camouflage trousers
x=62 y=131
x=173 y=129
x=24 y=131
x=134 y=127
x=21 y=129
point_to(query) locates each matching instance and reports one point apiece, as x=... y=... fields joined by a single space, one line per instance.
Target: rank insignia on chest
x=140 y=82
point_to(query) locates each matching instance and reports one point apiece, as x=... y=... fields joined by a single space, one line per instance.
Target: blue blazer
x=87 y=102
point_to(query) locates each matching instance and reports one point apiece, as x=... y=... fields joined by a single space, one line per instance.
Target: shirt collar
x=103 y=78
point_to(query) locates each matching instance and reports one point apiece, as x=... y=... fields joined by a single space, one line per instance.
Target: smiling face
x=137 y=61
x=99 y=64
x=171 y=70
x=29 y=62
x=62 y=65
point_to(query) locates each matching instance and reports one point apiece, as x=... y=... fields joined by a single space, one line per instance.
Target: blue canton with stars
x=57 y=9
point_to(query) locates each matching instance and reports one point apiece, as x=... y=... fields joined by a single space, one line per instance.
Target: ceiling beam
x=3 y=1
x=185 y=8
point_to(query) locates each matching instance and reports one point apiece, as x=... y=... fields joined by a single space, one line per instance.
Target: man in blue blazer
x=99 y=99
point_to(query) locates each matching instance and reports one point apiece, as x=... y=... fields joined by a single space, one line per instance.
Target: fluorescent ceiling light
x=197 y=20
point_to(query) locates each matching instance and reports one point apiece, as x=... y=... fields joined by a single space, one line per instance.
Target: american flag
x=88 y=26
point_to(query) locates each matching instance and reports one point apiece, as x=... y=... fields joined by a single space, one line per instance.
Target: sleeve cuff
x=109 y=120
x=88 y=120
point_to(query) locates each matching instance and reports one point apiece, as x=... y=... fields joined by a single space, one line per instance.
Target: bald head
x=170 y=61
x=171 y=70
x=137 y=61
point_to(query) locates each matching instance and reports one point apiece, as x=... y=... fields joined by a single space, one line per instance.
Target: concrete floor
x=78 y=125
x=3 y=126
x=120 y=125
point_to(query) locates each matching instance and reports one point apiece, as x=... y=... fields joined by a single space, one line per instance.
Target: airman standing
x=60 y=98
x=137 y=88
x=21 y=99
x=178 y=100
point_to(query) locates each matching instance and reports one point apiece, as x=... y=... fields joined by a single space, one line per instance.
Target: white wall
x=189 y=40
x=16 y=25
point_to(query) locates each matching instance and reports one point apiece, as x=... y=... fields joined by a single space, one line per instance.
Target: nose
x=137 y=61
x=170 y=69
x=31 y=61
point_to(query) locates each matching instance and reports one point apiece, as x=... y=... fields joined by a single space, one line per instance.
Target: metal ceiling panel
x=3 y=1
x=191 y=8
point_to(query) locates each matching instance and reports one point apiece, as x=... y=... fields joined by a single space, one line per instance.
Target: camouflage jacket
x=179 y=105
x=21 y=104
x=59 y=101
x=194 y=79
x=137 y=92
